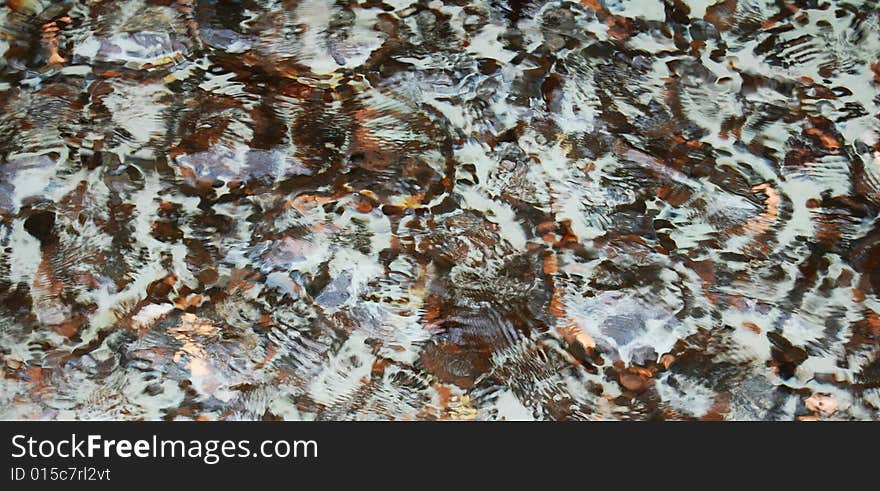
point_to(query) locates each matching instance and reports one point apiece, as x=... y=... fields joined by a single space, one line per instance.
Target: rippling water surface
x=439 y=210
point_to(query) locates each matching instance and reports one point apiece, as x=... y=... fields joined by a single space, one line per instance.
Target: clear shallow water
x=469 y=210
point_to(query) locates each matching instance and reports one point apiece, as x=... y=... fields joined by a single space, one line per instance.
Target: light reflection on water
x=439 y=210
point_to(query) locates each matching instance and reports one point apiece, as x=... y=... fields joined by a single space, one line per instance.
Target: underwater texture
x=486 y=210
